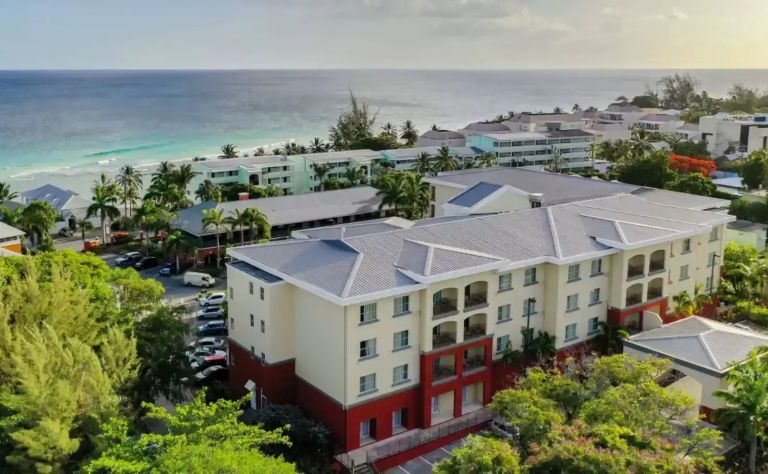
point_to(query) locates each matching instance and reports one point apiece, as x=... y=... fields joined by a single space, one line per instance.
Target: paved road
x=424 y=464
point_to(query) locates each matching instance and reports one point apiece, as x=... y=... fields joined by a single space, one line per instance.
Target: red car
x=208 y=361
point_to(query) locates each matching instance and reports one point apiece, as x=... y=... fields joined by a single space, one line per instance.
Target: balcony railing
x=440 y=372
x=654 y=293
x=474 y=331
x=634 y=299
x=635 y=271
x=473 y=363
x=475 y=301
x=441 y=340
x=656 y=267
x=444 y=308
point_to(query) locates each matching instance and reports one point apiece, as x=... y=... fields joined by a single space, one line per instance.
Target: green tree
x=445 y=161
x=567 y=393
x=408 y=133
x=37 y=218
x=317 y=145
x=214 y=218
x=533 y=415
x=753 y=171
x=610 y=337
x=678 y=91
x=424 y=164
x=640 y=143
x=84 y=225
x=129 y=181
x=174 y=244
x=228 y=151
x=652 y=170
x=199 y=437
x=682 y=304
x=745 y=412
x=103 y=204
x=208 y=191
x=488 y=160
x=693 y=183
x=256 y=219
x=481 y=455
x=12 y=217
x=321 y=171
x=353 y=125
x=6 y=194
x=146 y=217
x=355 y=175
x=238 y=220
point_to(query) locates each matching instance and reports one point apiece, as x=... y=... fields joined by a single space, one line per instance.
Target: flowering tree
x=687 y=164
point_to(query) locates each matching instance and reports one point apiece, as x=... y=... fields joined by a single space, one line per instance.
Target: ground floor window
x=368 y=429
x=435 y=404
x=399 y=418
x=464 y=395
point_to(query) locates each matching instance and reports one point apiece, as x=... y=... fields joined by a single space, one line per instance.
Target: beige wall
x=754 y=238
x=443 y=194
x=506 y=202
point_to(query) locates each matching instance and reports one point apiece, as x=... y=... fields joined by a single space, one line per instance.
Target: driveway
x=424 y=464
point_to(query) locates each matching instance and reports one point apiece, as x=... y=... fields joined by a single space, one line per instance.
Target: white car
x=203 y=352
x=212 y=299
x=214 y=372
x=216 y=323
x=210 y=312
x=127 y=258
x=209 y=342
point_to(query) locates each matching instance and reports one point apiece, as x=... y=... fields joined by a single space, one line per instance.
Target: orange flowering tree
x=686 y=164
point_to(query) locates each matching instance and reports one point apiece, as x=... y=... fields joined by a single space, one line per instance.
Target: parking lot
x=424 y=464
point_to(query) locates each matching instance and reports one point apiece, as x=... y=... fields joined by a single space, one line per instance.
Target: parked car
x=209 y=343
x=128 y=259
x=145 y=263
x=212 y=299
x=502 y=429
x=203 y=280
x=212 y=324
x=202 y=352
x=166 y=270
x=65 y=232
x=213 y=331
x=203 y=362
x=215 y=372
x=211 y=312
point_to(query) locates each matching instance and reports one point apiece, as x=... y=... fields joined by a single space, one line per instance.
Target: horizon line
x=233 y=69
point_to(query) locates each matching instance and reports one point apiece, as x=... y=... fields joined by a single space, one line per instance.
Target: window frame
x=364 y=311
x=369 y=349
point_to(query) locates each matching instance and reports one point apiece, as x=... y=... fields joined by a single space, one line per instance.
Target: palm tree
x=130 y=182
x=173 y=244
x=214 y=218
x=163 y=172
x=445 y=161
x=488 y=160
x=208 y=191
x=424 y=164
x=6 y=194
x=576 y=108
x=321 y=171
x=84 y=225
x=700 y=298
x=594 y=148
x=228 y=151
x=416 y=195
x=640 y=144
x=745 y=412
x=556 y=162
x=12 y=217
x=145 y=217
x=355 y=175
x=255 y=219
x=610 y=337
x=391 y=192
x=557 y=110
x=408 y=133
x=37 y=219
x=238 y=220
x=389 y=130
x=682 y=304
x=103 y=204
x=317 y=145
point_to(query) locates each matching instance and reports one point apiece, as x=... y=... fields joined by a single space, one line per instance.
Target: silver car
x=211 y=312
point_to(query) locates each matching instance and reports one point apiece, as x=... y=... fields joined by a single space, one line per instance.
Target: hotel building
x=379 y=330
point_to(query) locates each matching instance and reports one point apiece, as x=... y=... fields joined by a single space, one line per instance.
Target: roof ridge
x=352 y=275
x=428 y=263
x=707 y=349
x=553 y=230
x=580 y=203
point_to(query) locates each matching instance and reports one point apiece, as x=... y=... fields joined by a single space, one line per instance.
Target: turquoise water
x=70 y=120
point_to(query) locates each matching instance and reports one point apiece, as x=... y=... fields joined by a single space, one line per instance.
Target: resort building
x=439 y=137
x=622 y=114
x=339 y=162
x=540 y=148
x=662 y=123
x=380 y=328
x=726 y=133
x=273 y=170
x=285 y=213
x=541 y=122
x=69 y=206
x=747 y=233
x=404 y=159
x=10 y=240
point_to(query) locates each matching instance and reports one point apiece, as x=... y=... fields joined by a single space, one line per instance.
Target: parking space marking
x=403 y=469
x=422 y=458
x=446 y=451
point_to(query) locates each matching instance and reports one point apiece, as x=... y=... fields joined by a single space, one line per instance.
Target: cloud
x=678 y=14
x=674 y=15
x=609 y=11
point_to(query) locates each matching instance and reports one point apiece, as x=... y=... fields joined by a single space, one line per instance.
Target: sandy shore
x=80 y=179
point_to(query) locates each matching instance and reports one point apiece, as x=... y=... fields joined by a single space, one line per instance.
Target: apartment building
x=339 y=162
x=726 y=133
x=527 y=148
x=660 y=122
x=379 y=331
x=273 y=170
x=404 y=159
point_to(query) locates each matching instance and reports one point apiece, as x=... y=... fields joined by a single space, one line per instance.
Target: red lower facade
x=632 y=317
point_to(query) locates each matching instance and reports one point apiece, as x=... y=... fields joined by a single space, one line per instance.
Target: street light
x=526 y=339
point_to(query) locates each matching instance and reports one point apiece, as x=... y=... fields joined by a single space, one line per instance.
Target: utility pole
x=527 y=337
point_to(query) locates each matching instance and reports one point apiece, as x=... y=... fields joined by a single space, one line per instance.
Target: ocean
x=59 y=126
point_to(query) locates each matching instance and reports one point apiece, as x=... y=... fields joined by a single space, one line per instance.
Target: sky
x=406 y=34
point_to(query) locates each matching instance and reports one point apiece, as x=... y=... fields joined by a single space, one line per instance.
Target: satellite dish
x=250 y=385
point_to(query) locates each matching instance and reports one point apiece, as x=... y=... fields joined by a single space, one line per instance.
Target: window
x=530 y=276
x=252 y=321
x=684 y=272
x=367 y=383
x=686 y=245
x=365 y=429
x=398 y=418
x=502 y=343
x=594 y=325
x=368 y=313
x=250 y=287
x=573 y=272
x=529 y=306
x=261 y=293
x=402 y=305
x=401 y=340
x=713 y=235
x=505 y=282
x=594 y=296
x=464 y=395
x=400 y=374
x=435 y=404
x=504 y=313
x=572 y=302
x=711 y=259
x=263 y=326
x=231 y=293
x=570 y=332
x=368 y=348
x=253 y=352
x=597 y=267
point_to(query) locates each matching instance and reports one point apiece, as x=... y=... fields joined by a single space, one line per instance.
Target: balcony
x=444 y=334
x=443 y=368
x=474 y=326
x=444 y=308
x=656 y=263
x=655 y=288
x=634 y=295
x=475 y=295
x=636 y=267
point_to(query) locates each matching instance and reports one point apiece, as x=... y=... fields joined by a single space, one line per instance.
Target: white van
x=199 y=279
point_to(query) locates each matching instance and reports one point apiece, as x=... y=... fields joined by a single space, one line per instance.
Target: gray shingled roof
x=372 y=263
x=286 y=210
x=58 y=198
x=475 y=194
x=7 y=231
x=442 y=135
x=701 y=343
x=485 y=127
x=405 y=153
